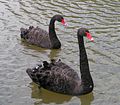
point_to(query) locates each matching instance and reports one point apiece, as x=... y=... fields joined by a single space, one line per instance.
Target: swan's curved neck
x=52 y=34
x=84 y=66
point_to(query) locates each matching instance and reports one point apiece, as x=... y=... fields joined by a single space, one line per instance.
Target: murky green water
x=101 y=17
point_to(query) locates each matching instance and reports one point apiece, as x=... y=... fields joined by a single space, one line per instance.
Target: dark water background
x=101 y=17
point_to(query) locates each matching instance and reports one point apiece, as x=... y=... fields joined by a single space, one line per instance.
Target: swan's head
x=84 y=32
x=60 y=18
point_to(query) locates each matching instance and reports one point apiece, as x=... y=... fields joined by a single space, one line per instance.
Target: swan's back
x=67 y=70
x=57 y=77
x=36 y=36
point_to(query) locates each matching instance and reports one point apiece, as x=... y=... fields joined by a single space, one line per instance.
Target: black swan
x=42 y=38
x=58 y=77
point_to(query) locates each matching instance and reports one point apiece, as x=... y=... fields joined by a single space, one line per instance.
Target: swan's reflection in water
x=42 y=52
x=54 y=54
x=87 y=99
x=44 y=96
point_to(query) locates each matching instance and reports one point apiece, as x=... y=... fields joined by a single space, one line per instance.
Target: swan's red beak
x=64 y=23
x=88 y=35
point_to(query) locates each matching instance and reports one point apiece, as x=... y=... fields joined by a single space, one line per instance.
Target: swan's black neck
x=84 y=66
x=52 y=34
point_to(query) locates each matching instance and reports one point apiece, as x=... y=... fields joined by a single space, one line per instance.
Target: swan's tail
x=32 y=74
x=24 y=32
x=36 y=72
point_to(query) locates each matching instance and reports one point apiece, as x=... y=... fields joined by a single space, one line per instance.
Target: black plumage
x=58 y=77
x=42 y=38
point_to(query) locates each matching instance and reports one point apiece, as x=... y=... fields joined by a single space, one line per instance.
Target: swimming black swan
x=42 y=38
x=58 y=77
